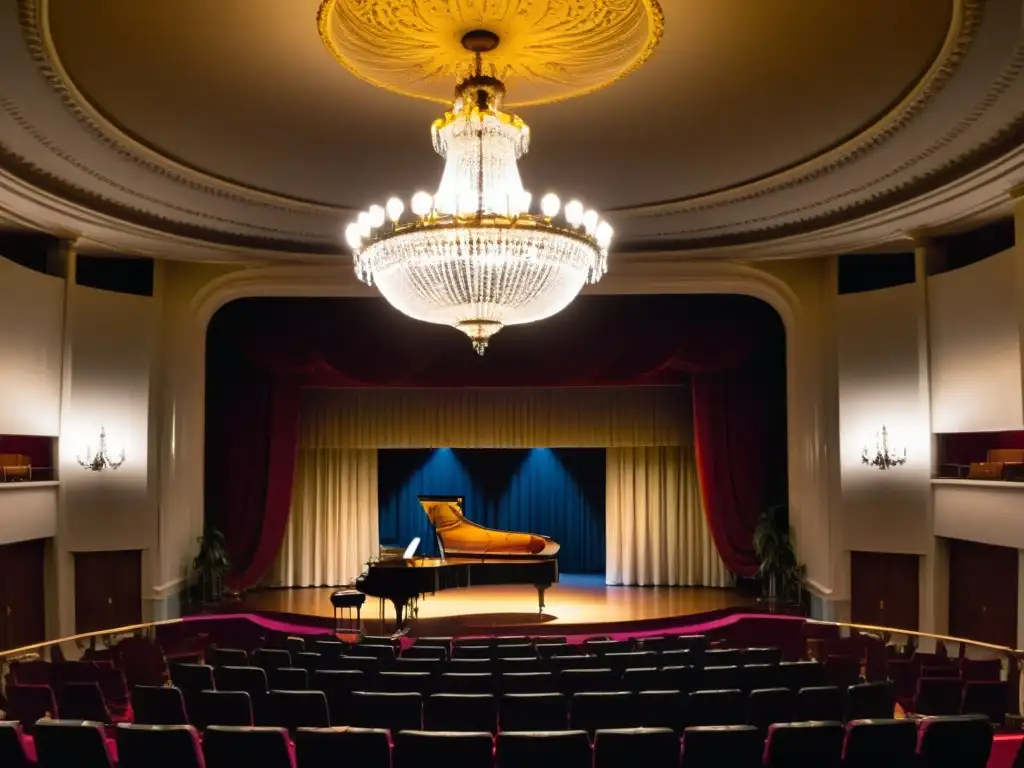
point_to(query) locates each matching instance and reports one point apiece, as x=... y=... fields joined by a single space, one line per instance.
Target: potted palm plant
x=781 y=574
x=210 y=566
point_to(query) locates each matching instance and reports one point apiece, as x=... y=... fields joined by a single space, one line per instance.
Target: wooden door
x=983 y=592
x=884 y=589
x=108 y=589
x=22 y=594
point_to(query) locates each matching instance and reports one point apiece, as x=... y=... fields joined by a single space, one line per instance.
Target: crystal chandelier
x=474 y=255
x=101 y=460
x=884 y=457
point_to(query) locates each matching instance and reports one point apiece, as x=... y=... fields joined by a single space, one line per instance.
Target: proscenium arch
x=807 y=413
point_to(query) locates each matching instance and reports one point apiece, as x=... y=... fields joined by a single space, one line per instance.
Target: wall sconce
x=884 y=458
x=99 y=461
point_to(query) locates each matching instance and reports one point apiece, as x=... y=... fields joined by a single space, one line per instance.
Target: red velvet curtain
x=261 y=352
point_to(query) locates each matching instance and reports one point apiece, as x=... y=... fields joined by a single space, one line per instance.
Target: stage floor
x=576 y=601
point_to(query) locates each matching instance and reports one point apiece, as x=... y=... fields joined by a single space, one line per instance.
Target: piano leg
x=399 y=614
x=540 y=597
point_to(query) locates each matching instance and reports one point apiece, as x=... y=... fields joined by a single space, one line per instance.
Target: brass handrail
x=896 y=631
x=87 y=635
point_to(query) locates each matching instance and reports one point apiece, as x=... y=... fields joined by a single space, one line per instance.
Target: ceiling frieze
x=965 y=114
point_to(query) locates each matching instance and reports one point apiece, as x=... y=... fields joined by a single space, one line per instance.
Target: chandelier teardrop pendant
x=478 y=255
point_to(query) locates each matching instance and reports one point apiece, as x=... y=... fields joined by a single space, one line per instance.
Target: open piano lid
x=460 y=537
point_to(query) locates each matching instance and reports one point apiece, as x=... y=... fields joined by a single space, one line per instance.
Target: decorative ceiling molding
x=961 y=120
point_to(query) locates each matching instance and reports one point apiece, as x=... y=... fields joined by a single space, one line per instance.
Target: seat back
x=624 y=747
x=462 y=682
x=252 y=680
x=294 y=645
x=515 y=651
x=190 y=678
x=591 y=712
x=473 y=712
x=544 y=749
x=158 y=746
x=706 y=708
x=717 y=678
x=29 y=703
x=298 y=709
x=527 y=682
x=227 y=657
x=987 y=698
x=271 y=658
x=332 y=747
x=226 y=746
x=533 y=712
x=698 y=643
x=938 y=696
x=762 y=656
x=870 y=701
x=820 y=702
x=414 y=749
x=801 y=674
x=661 y=709
x=158 y=705
x=766 y=706
x=574 y=661
x=548 y=649
x=77 y=743
x=13 y=752
x=963 y=741
x=223 y=708
x=287 y=679
x=630 y=660
x=409 y=664
x=643 y=679
x=472 y=652
x=572 y=681
x=735 y=746
x=393 y=711
x=337 y=685
x=84 y=701
x=601 y=647
x=723 y=657
x=404 y=682
x=329 y=649
x=818 y=744
x=369 y=665
x=875 y=743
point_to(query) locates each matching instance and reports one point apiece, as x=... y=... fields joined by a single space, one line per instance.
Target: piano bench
x=345 y=600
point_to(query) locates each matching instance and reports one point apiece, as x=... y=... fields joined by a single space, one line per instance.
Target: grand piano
x=470 y=555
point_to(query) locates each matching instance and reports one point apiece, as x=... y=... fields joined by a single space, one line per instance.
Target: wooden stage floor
x=576 y=601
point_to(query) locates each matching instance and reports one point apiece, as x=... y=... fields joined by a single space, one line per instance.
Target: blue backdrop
x=556 y=492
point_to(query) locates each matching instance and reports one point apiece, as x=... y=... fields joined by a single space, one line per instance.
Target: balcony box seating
x=735 y=746
x=591 y=712
x=222 y=708
x=624 y=747
x=533 y=712
x=77 y=743
x=332 y=747
x=791 y=745
x=415 y=749
x=231 y=747
x=544 y=749
x=16 y=749
x=15 y=466
x=963 y=741
x=158 y=746
x=877 y=743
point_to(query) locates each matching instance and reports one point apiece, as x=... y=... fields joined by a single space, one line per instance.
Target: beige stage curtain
x=332 y=528
x=655 y=528
x=569 y=417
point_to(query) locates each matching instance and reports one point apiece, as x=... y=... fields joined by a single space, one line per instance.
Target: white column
x=63 y=560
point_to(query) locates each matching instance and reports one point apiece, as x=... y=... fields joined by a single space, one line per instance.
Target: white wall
x=32 y=317
x=27 y=511
x=987 y=512
x=881 y=382
x=974 y=336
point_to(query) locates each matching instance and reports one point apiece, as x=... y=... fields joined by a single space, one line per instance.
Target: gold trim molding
x=550 y=50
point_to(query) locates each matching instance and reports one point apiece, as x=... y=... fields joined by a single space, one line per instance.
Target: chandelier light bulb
x=550 y=205
x=376 y=216
x=574 y=213
x=522 y=204
x=422 y=203
x=364 y=224
x=590 y=220
x=353 y=238
x=603 y=234
x=395 y=209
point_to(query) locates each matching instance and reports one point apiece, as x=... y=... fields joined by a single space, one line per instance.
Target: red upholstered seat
x=16 y=748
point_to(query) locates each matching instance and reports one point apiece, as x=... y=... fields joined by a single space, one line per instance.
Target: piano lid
x=460 y=536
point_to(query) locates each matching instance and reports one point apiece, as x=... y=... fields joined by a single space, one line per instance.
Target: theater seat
x=158 y=705
x=28 y=703
x=544 y=749
x=415 y=749
x=231 y=747
x=84 y=701
x=963 y=741
x=762 y=656
x=461 y=682
x=820 y=702
x=986 y=698
x=533 y=712
x=661 y=709
x=716 y=708
x=626 y=747
x=870 y=701
x=572 y=681
x=393 y=711
x=287 y=679
x=645 y=679
x=222 y=708
x=591 y=712
x=270 y=658
x=227 y=657
x=879 y=743
x=767 y=706
x=338 y=685
x=527 y=682
x=938 y=696
x=298 y=709
x=477 y=712
x=158 y=746
x=404 y=682
x=77 y=743
x=16 y=750
x=720 y=678
x=333 y=747
x=804 y=745
x=735 y=746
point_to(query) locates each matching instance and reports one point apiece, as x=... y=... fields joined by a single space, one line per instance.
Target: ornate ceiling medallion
x=552 y=49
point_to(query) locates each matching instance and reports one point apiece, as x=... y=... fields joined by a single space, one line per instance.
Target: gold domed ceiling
x=255 y=124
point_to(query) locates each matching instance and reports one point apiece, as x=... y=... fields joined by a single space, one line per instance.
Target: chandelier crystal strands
x=475 y=255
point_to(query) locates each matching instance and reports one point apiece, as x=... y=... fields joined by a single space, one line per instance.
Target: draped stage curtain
x=332 y=529
x=261 y=353
x=555 y=492
x=657 y=532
